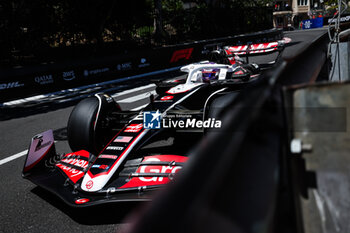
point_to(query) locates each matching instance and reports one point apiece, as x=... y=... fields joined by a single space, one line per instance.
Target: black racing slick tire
x=219 y=104
x=80 y=128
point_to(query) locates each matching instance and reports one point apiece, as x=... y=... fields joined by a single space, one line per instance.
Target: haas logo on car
x=133 y=128
x=157 y=169
x=89 y=184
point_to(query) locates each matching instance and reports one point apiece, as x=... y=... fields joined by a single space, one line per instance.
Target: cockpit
x=205 y=72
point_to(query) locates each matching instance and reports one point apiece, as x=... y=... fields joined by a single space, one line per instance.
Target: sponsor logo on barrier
x=143 y=63
x=43 y=80
x=313 y=23
x=10 y=85
x=342 y=19
x=68 y=75
x=181 y=54
x=86 y=73
x=95 y=71
x=115 y=148
x=307 y=24
x=124 y=66
x=151 y=120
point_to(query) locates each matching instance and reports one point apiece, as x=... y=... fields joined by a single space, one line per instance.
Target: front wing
x=62 y=175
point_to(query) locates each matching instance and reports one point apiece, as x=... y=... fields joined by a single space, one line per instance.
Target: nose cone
x=93 y=184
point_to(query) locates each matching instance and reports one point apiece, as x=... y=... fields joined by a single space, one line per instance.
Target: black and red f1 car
x=125 y=155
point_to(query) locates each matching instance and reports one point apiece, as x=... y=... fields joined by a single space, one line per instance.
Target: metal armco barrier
x=23 y=82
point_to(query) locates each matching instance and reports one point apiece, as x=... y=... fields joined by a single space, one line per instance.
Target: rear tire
x=218 y=106
x=219 y=103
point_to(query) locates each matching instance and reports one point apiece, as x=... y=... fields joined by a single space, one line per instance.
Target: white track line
x=130 y=78
x=13 y=157
x=127 y=100
x=20 y=154
x=117 y=95
x=21 y=101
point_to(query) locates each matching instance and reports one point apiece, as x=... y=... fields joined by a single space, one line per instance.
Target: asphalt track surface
x=27 y=208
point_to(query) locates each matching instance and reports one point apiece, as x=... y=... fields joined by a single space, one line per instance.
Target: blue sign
x=313 y=23
x=151 y=120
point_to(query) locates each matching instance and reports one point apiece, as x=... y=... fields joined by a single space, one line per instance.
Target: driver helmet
x=210 y=74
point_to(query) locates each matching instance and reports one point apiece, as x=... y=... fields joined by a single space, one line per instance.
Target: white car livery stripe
x=138 y=97
x=94 y=183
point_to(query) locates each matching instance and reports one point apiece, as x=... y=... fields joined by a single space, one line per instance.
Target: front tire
x=91 y=123
x=80 y=128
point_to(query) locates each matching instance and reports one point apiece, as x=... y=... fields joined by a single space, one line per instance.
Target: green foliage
x=331 y=2
x=173 y=5
x=218 y=18
x=332 y=6
x=28 y=27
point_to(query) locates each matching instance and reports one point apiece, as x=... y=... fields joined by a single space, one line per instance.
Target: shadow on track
x=111 y=213
x=28 y=110
x=60 y=134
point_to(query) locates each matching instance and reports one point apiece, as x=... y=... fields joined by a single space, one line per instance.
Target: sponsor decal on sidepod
x=119 y=148
x=157 y=169
x=108 y=156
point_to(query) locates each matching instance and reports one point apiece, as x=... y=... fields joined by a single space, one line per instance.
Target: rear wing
x=255 y=49
x=221 y=50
